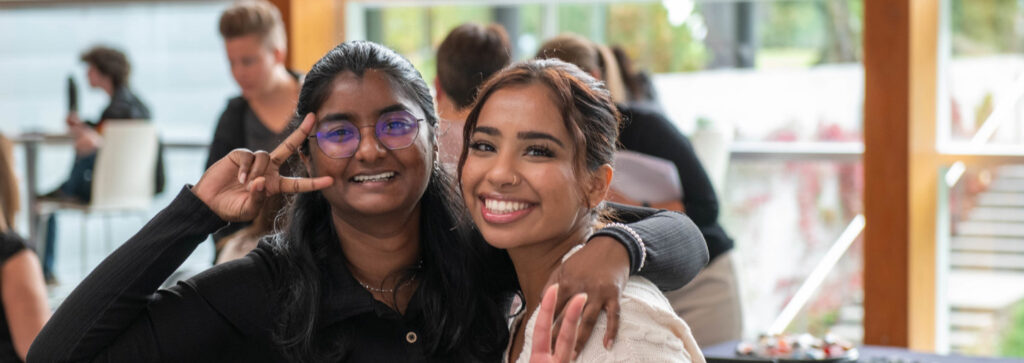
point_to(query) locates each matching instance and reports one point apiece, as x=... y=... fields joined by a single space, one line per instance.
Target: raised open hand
x=564 y=348
x=236 y=186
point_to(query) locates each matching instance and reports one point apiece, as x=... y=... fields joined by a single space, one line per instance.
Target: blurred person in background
x=467 y=57
x=109 y=70
x=23 y=307
x=711 y=302
x=256 y=46
x=640 y=90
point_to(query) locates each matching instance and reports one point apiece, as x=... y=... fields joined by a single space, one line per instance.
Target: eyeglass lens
x=340 y=139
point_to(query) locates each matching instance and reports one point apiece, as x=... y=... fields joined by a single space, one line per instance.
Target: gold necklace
x=419 y=265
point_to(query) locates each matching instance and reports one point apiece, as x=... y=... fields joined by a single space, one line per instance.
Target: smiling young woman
x=534 y=179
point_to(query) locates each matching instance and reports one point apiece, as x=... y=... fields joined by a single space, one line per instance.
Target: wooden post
x=901 y=166
x=313 y=27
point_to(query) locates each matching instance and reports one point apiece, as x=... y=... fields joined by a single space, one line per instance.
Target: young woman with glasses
x=373 y=264
x=535 y=179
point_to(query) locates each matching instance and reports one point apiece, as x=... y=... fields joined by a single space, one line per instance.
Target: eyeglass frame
x=359 y=134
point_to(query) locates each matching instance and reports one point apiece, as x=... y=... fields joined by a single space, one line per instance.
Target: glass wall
x=981 y=214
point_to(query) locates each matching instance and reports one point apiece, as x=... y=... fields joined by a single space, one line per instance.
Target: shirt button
x=411 y=337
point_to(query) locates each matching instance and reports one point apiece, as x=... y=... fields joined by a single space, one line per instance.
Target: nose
x=504 y=172
x=370 y=149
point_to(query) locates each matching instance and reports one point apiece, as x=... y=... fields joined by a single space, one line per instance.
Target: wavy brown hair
x=8 y=186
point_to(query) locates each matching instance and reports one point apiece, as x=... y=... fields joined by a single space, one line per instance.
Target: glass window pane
x=984 y=73
x=784 y=217
x=983 y=278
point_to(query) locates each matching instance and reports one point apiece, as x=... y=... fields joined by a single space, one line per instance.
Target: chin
x=502 y=239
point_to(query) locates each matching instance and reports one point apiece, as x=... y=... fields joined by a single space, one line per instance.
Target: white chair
x=123 y=178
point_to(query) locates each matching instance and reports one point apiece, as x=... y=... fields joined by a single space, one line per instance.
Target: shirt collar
x=343 y=297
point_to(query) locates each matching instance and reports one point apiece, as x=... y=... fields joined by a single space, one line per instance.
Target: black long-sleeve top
x=648 y=132
x=226 y=314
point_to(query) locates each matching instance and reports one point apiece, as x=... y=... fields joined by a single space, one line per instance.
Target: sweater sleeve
x=117 y=314
x=671 y=250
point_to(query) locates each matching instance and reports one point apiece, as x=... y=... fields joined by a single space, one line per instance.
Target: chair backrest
x=124 y=175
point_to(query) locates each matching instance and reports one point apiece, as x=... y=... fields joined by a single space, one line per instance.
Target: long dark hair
x=463 y=316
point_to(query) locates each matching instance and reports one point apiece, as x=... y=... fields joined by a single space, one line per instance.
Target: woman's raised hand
x=565 y=346
x=236 y=186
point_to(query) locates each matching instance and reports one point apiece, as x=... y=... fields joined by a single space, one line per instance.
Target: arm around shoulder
x=665 y=247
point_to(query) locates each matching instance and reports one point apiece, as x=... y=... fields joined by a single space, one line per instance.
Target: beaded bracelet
x=636 y=236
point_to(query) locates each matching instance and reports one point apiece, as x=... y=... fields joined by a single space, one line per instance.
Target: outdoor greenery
x=982 y=27
x=1012 y=344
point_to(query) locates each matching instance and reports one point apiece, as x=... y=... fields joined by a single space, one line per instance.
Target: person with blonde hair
x=256 y=46
x=23 y=307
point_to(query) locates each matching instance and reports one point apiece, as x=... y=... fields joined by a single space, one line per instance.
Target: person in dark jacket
x=108 y=70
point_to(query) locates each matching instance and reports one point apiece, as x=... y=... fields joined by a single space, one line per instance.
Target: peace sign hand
x=235 y=186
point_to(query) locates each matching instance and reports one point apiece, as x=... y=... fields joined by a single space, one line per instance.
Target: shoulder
x=649 y=331
x=10 y=244
x=236 y=105
x=243 y=290
x=234 y=114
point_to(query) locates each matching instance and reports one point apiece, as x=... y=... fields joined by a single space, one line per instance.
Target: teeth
x=374 y=178
x=504 y=206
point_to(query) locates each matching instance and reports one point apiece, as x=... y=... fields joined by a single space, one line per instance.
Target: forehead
x=364 y=97
x=529 y=107
x=244 y=44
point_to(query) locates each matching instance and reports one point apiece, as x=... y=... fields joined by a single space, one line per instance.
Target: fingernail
x=608 y=344
x=575 y=355
x=241 y=178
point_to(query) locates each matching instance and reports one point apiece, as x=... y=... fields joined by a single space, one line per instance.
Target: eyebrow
x=524 y=135
x=532 y=135
x=348 y=116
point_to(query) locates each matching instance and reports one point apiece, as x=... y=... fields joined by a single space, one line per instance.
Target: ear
x=600 y=182
x=279 y=54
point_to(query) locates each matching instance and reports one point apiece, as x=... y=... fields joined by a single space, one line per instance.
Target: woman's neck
x=535 y=262
x=379 y=248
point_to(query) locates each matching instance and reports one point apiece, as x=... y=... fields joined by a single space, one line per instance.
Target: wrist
x=630 y=240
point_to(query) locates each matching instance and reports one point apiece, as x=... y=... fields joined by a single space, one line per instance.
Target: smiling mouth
x=385 y=176
x=504 y=206
x=501 y=211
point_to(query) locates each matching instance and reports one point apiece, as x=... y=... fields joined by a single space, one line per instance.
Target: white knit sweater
x=649 y=331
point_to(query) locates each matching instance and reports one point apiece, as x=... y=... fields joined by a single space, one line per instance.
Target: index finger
x=542 y=326
x=293 y=142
